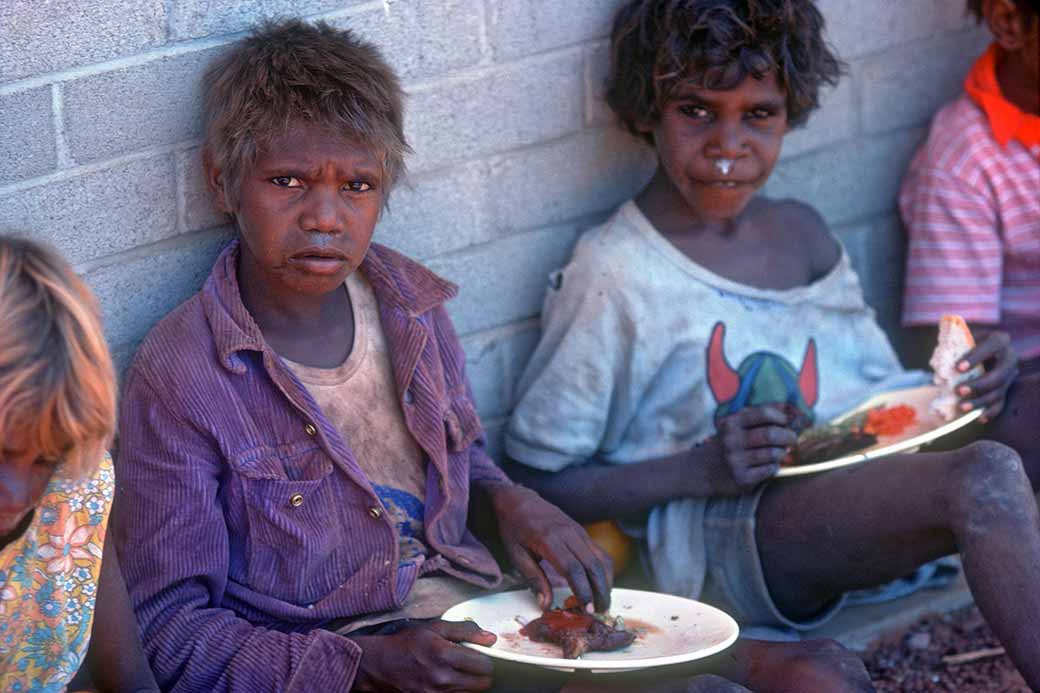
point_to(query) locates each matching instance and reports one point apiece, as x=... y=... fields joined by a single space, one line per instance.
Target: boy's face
x=306 y=211
x=719 y=147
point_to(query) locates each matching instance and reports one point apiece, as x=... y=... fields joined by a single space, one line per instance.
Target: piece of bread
x=954 y=342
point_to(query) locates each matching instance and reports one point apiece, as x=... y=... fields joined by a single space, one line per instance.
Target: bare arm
x=594 y=491
x=745 y=452
x=115 y=660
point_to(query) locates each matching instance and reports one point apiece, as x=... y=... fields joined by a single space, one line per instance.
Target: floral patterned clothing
x=49 y=580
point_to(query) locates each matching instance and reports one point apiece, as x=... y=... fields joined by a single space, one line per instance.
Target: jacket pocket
x=295 y=543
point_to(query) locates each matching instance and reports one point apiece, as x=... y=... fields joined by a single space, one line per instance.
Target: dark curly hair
x=288 y=71
x=1029 y=7
x=659 y=45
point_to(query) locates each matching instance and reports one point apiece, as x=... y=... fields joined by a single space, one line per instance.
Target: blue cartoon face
x=408 y=515
x=762 y=378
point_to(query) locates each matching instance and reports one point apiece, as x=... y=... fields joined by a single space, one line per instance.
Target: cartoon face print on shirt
x=408 y=513
x=762 y=378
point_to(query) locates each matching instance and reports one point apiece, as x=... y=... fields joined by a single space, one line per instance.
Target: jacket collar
x=396 y=280
x=1007 y=121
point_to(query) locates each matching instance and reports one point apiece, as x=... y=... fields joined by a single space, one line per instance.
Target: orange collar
x=1007 y=121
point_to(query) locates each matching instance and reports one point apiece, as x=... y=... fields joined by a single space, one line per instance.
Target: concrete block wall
x=515 y=153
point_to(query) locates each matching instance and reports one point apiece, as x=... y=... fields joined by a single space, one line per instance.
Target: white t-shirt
x=626 y=369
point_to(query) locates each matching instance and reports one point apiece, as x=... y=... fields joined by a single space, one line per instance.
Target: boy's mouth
x=725 y=184
x=319 y=260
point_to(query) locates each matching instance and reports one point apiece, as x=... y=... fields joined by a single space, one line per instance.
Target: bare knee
x=988 y=488
x=818 y=665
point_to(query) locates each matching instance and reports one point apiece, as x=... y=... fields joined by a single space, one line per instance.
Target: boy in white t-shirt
x=690 y=331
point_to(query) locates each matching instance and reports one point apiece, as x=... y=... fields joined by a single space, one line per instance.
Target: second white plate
x=927 y=428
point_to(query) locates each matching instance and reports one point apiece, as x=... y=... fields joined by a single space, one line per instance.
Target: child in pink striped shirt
x=971 y=200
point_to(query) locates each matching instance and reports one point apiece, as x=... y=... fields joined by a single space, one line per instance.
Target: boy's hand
x=533 y=529
x=424 y=657
x=988 y=391
x=750 y=445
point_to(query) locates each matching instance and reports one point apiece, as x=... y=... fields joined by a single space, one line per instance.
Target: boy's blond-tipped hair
x=57 y=384
x=289 y=71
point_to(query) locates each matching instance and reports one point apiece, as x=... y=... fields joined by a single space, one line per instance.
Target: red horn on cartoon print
x=809 y=377
x=722 y=379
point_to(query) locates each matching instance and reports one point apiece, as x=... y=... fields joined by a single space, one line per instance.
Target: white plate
x=927 y=428
x=672 y=630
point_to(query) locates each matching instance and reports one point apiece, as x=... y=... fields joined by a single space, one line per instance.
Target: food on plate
x=831 y=441
x=577 y=631
x=890 y=421
x=954 y=342
x=823 y=443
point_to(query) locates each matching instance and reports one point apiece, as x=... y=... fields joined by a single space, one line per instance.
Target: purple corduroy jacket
x=243 y=521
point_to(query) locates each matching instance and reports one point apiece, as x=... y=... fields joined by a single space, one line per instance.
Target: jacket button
x=375 y=512
x=296 y=500
x=310 y=429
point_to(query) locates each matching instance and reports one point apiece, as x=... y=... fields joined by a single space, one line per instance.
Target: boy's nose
x=323 y=212
x=728 y=141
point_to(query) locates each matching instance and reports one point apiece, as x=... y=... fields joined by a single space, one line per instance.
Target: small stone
x=919 y=641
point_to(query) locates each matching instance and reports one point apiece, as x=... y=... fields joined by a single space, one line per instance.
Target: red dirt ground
x=911 y=660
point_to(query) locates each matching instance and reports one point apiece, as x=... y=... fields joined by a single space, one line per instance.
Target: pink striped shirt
x=972 y=209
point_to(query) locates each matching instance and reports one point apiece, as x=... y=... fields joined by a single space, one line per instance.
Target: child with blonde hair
x=59 y=583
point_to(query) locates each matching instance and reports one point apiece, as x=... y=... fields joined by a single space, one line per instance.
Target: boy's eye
x=761 y=114
x=693 y=111
x=286 y=181
x=358 y=186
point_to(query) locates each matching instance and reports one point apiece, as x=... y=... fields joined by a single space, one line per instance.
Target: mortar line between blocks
x=381 y=5
x=168 y=8
x=474 y=72
x=483 y=37
x=170 y=50
x=77 y=170
x=179 y=183
x=61 y=144
x=152 y=55
x=184 y=240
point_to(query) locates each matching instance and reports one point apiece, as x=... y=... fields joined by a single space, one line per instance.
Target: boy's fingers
x=462 y=631
x=463 y=682
x=771 y=436
x=990 y=346
x=535 y=577
x=998 y=379
x=761 y=416
x=758 y=457
x=572 y=569
x=990 y=401
x=756 y=475
x=992 y=412
x=467 y=661
x=598 y=567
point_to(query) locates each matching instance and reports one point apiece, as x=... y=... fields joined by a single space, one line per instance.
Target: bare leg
x=823 y=535
x=1018 y=426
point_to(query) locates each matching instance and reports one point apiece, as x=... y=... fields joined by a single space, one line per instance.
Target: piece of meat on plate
x=578 y=631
